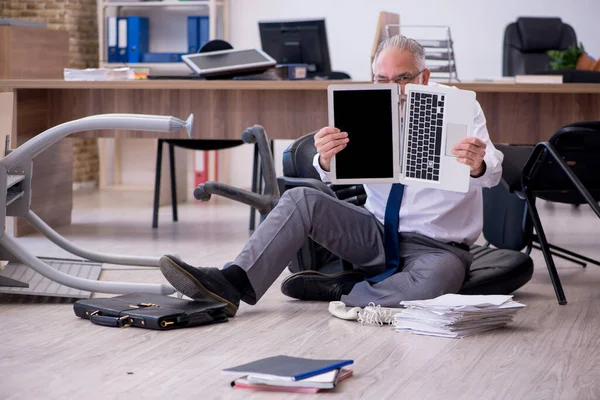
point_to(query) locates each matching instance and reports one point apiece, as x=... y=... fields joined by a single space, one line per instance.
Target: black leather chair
x=499 y=267
x=564 y=169
x=527 y=41
x=191 y=144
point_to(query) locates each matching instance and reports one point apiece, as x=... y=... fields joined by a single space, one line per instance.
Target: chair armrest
x=289 y=183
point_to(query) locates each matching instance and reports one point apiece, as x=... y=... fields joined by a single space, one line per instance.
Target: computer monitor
x=297 y=42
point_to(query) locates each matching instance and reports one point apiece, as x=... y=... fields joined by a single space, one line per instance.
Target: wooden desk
x=516 y=114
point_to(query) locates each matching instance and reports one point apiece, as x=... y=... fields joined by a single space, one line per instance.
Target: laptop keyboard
x=426 y=118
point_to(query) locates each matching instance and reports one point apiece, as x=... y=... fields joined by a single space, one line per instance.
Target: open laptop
x=413 y=147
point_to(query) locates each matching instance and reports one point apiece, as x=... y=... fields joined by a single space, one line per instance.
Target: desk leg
x=52 y=180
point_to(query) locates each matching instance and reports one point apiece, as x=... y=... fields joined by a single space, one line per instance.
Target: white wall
x=477 y=28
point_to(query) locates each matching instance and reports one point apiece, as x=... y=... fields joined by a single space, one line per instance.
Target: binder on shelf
x=111 y=39
x=161 y=57
x=192 y=32
x=203 y=32
x=198 y=32
x=137 y=38
x=121 y=39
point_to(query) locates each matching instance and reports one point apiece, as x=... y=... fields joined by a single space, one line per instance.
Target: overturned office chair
x=527 y=41
x=564 y=169
x=499 y=270
x=75 y=278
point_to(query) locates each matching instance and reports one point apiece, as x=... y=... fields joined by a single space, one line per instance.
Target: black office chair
x=191 y=144
x=527 y=41
x=499 y=270
x=334 y=75
x=565 y=170
x=200 y=144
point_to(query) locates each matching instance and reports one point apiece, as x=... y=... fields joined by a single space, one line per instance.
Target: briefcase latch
x=122 y=322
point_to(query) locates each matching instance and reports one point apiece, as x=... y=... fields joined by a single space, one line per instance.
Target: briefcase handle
x=117 y=322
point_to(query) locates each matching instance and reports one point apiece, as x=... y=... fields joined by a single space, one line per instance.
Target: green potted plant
x=566 y=59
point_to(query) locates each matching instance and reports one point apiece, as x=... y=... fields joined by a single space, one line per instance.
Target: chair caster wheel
x=201 y=194
x=248 y=136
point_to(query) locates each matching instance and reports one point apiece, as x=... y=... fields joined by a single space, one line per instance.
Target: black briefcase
x=150 y=311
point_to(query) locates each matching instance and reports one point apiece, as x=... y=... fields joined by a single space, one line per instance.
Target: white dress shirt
x=439 y=214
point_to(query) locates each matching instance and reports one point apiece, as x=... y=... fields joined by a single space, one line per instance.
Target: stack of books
x=290 y=374
x=456 y=316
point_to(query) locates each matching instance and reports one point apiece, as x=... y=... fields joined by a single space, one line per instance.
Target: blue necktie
x=391 y=223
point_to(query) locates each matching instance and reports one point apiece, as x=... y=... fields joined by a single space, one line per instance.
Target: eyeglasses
x=400 y=80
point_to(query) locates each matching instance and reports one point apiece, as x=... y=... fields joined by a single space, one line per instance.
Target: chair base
x=570 y=255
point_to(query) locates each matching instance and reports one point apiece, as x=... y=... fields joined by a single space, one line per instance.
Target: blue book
x=111 y=39
x=192 y=34
x=286 y=368
x=137 y=38
x=161 y=57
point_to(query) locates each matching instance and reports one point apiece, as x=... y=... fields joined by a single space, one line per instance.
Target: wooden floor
x=550 y=352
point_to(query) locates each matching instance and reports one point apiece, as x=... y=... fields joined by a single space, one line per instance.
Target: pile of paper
x=456 y=316
x=98 y=74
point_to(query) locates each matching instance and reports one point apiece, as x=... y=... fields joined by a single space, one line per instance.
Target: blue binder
x=111 y=39
x=137 y=38
x=203 y=31
x=121 y=40
x=161 y=57
x=192 y=34
x=198 y=32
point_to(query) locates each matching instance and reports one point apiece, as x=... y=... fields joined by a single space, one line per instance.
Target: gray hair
x=402 y=43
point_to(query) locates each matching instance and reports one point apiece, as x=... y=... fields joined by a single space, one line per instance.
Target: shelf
x=442 y=56
x=216 y=10
x=435 y=44
x=191 y=3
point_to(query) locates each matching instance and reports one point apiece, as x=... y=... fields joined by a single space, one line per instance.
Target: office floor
x=549 y=352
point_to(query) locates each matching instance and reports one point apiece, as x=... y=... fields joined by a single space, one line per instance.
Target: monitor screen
x=367 y=117
x=297 y=42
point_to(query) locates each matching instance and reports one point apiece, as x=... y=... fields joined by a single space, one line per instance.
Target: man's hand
x=470 y=151
x=329 y=141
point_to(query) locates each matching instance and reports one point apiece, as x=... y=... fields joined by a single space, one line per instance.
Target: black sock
x=237 y=277
x=347 y=287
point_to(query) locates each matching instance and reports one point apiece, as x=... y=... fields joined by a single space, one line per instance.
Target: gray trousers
x=429 y=268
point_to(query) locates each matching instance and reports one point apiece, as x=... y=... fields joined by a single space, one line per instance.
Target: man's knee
x=298 y=193
x=447 y=277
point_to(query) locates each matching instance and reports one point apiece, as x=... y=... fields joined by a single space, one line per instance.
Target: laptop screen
x=367 y=117
x=228 y=60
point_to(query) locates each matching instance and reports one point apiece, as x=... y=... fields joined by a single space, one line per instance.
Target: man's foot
x=314 y=285
x=200 y=283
